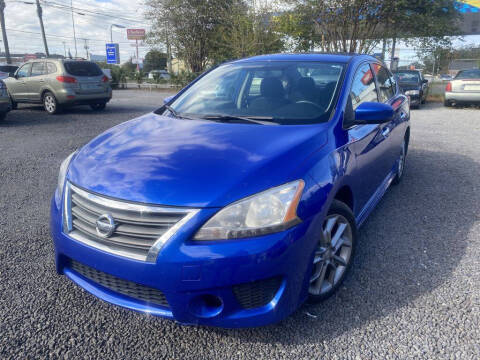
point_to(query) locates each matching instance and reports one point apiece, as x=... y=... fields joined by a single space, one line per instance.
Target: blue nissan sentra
x=240 y=198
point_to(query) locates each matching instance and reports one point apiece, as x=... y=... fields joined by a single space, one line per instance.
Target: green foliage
x=183 y=78
x=139 y=76
x=154 y=60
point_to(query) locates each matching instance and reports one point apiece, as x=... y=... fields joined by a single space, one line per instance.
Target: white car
x=464 y=88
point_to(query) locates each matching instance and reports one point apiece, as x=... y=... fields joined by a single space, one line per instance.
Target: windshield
x=408 y=77
x=468 y=74
x=283 y=92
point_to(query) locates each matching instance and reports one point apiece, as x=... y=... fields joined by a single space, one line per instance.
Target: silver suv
x=59 y=83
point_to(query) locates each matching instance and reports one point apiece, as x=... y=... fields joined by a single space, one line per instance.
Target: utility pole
x=4 y=31
x=64 y=49
x=73 y=24
x=86 y=48
x=40 y=12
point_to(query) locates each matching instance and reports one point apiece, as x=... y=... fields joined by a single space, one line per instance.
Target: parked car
x=5 y=105
x=414 y=85
x=232 y=207
x=161 y=74
x=60 y=83
x=464 y=88
x=445 y=77
x=7 y=70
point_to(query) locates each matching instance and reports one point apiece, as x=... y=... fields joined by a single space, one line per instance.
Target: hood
x=196 y=163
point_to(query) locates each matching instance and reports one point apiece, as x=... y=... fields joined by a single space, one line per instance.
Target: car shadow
x=407 y=248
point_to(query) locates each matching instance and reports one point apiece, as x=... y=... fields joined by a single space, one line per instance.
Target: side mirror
x=425 y=81
x=167 y=99
x=373 y=113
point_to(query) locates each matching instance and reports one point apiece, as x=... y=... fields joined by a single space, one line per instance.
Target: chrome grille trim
x=141 y=231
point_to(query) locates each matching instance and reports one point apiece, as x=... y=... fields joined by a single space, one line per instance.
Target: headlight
x=412 y=92
x=63 y=173
x=264 y=213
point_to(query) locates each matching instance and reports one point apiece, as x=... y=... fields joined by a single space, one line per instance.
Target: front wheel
x=50 y=103
x=334 y=253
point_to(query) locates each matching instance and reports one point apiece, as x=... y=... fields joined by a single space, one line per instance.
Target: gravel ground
x=413 y=293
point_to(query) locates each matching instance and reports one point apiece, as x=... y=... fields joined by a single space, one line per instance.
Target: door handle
x=386 y=131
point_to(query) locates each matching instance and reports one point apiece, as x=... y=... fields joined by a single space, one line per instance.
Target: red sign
x=29 y=57
x=136 y=34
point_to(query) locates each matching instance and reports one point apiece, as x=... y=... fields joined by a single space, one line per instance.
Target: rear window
x=8 y=68
x=468 y=74
x=83 y=68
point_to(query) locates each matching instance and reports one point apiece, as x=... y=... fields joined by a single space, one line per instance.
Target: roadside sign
x=113 y=54
x=136 y=34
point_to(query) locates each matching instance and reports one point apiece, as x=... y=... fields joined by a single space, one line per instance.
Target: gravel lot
x=414 y=291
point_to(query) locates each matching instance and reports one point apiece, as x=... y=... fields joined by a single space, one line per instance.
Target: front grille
x=124 y=287
x=257 y=294
x=140 y=230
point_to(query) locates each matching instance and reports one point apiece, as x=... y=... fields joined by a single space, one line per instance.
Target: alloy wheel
x=332 y=256
x=50 y=103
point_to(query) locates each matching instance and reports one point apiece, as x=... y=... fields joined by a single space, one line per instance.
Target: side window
x=51 y=68
x=386 y=86
x=24 y=71
x=363 y=87
x=38 y=68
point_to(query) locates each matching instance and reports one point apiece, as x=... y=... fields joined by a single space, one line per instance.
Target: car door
x=393 y=130
x=367 y=142
x=17 y=85
x=36 y=81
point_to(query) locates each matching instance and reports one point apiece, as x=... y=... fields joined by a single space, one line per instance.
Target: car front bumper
x=462 y=96
x=190 y=275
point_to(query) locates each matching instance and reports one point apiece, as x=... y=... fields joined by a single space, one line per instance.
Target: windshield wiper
x=261 y=120
x=175 y=113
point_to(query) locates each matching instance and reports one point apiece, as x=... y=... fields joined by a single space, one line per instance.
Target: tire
x=334 y=254
x=98 y=106
x=447 y=103
x=50 y=103
x=401 y=163
x=3 y=115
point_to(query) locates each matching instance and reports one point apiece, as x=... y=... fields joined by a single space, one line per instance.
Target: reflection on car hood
x=161 y=160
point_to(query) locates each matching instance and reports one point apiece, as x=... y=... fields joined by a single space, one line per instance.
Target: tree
x=359 y=25
x=246 y=31
x=154 y=60
x=189 y=25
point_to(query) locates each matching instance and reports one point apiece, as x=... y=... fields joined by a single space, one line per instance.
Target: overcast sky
x=24 y=31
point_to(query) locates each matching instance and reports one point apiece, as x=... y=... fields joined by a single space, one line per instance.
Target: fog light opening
x=206 y=306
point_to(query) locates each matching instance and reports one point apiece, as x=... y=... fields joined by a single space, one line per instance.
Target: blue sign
x=113 y=55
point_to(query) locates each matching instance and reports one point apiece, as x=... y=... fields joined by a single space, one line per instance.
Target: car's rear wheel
x=334 y=253
x=447 y=103
x=98 y=106
x=401 y=163
x=50 y=103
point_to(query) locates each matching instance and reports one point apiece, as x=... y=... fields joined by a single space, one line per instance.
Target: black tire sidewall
x=339 y=208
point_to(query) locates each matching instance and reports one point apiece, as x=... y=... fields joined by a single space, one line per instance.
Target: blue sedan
x=240 y=198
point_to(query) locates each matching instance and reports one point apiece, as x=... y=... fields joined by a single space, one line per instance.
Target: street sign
x=113 y=54
x=136 y=34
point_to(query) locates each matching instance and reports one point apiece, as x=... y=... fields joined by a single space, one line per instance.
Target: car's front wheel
x=401 y=163
x=334 y=253
x=50 y=103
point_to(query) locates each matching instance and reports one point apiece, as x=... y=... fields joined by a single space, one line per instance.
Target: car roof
x=313 y=56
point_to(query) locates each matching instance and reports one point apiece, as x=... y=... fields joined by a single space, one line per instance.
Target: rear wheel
x=98 y=106
x=447 y=103
x=50 y=103
x=334 y=252
x=401 y=163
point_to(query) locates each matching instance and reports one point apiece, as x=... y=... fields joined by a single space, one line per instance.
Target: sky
x=24 y=31
x=23 y=27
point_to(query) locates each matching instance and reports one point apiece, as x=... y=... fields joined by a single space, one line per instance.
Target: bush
x=183 y=78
